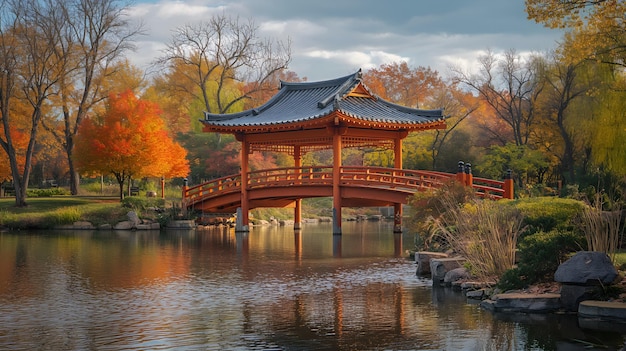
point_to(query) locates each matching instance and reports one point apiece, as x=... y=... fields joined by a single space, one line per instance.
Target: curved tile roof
x=298 y=102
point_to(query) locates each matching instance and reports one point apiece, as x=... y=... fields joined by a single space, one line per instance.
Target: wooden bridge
x=359 y=187
x=336 y=114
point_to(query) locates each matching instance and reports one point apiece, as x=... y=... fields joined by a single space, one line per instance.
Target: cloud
x=332 y=38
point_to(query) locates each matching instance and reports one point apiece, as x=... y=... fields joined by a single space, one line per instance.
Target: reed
x=602 y=228
x=484 y=232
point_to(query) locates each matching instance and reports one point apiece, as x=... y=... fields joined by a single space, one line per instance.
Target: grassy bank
x=45 y=213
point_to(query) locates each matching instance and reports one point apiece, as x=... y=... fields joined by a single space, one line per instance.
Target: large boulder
x=134 y=218
x=587 y=268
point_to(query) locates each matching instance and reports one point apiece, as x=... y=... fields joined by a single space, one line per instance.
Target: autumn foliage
x=129 y=140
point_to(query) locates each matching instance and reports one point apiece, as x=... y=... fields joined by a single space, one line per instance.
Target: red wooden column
x=297 y=215
x=245 y=205
x=508 y=185
x=336 y=177
x=397 y=207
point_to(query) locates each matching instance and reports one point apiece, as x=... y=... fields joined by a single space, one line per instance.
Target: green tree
x=597 y=25
x=527 y=165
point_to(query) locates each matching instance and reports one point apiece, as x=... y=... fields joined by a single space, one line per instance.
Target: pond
x=270 y=289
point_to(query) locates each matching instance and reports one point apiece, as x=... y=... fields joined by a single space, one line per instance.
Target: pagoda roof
x=307 y=103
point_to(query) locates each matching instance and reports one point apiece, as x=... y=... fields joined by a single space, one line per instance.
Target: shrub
x=540 y=255
x=512 y=279
x=65 y=215
x=46 y=192
x=140 y=204
x=548 y=213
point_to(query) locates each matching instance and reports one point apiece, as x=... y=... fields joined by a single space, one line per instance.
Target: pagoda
x=311 y=116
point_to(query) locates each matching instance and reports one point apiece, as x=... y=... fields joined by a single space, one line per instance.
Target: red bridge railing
x=371 y=177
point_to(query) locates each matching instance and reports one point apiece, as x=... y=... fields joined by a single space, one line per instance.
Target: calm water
x=270 y=289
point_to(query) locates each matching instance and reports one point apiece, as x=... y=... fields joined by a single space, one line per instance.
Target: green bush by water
x=539 y=256
x=548 y=213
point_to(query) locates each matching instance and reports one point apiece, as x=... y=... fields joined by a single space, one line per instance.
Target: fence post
x=460 y=173
x=469 y=178
x=184 y=198
x=508 y=185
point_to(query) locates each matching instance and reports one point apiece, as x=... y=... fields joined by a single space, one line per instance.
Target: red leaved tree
x=130 y=141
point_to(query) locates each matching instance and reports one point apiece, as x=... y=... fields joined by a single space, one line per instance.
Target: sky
x=334 y=38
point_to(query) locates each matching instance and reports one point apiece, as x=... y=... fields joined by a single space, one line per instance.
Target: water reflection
x=272 y=288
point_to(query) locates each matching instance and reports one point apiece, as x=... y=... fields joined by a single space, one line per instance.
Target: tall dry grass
x=602 y=228
x=484 y=232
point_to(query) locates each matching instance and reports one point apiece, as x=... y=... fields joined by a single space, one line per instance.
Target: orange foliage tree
x=401 y=84
x=129 y=140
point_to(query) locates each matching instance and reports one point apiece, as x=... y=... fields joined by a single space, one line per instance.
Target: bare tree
x=458 y=107
x=94 y=35
x=226 y=52
x=511 y=87
x=29 y=73
x=563 y=87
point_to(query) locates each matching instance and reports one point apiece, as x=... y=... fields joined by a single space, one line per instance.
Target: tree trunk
x=74 y=176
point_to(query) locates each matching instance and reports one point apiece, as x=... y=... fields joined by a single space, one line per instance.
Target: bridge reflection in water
x=213 y=290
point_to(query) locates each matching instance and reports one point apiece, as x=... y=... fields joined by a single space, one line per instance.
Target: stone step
x=603 y=309
x=528 y=303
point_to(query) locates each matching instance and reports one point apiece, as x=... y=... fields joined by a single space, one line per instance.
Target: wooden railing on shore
x=371 y=177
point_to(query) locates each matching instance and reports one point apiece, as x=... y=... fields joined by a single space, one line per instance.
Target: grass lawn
x=47 y=212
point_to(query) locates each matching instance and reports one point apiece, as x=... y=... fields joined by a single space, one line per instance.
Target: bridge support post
x=245 y=206
x=336 y=183
x=297 y=215
x=397 y=218
x=297 y=160
x=397 y=208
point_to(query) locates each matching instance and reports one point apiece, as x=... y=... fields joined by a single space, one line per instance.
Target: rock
x=132 y=216
x=440 y=266
x=286 y=222
x=84 y=225
x=476 y=294
x=572 y=295
x=182 y=224
x=124 y=225
x=527 y=303
x=468 y=285
x=423 y=258
x=105 y=226
x=603 y=309
x=455 y=275
x=586 y=267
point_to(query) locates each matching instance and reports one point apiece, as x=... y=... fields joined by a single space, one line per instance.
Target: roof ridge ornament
x=336 y=103
x=341 y=90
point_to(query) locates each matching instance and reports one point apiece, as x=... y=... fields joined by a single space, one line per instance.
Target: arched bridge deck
x=359 y=187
